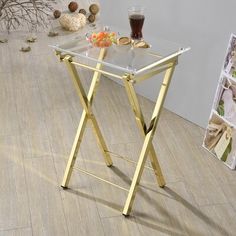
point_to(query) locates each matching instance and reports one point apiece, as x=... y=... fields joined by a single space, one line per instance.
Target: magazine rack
x=220 y=137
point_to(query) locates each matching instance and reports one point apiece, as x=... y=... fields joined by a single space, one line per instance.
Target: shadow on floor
x=174 y=196
x=119 y=208
x=151 y=221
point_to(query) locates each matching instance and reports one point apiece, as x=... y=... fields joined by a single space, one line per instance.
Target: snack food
x=102 y=39
x=141 y=44
x=123 y=41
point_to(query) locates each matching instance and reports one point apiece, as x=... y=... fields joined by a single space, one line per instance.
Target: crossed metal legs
x=87 y=114
x=147 y=132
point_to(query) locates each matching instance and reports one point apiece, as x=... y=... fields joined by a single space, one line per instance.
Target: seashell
x=52 y=34
x=3 y=40
x=25 y=49
x=31 y=39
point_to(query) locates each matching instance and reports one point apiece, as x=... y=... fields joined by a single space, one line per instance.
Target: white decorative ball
x=73 y=22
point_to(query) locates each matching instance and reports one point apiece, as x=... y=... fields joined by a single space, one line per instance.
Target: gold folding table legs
x=86 y=102
x=147 y=132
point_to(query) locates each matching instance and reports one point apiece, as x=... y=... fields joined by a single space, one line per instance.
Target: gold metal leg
x=142 y=126
x=86 y=102
x=149 y=133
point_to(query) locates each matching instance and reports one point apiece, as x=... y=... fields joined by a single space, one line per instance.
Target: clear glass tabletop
x=124 y=59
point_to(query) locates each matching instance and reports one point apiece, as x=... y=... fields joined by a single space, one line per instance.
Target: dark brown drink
x=136 y=23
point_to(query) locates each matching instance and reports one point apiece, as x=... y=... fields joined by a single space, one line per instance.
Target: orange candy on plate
x=102 y=39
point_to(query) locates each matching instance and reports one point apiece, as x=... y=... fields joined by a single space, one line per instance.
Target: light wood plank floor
x=39 y=114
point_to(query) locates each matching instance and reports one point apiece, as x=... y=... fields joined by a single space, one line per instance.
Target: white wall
x=205 y=25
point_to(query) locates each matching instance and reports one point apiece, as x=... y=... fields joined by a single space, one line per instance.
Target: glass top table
x=123 y=59
x=131 y=66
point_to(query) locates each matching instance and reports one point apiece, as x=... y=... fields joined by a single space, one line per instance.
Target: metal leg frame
x=87 y=114
x=148 y=134
x=142 y=126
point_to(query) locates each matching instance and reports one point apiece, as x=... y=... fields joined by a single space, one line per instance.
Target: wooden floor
x=39 y=114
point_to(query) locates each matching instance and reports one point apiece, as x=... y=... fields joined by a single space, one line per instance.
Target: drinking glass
x=136 y=19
